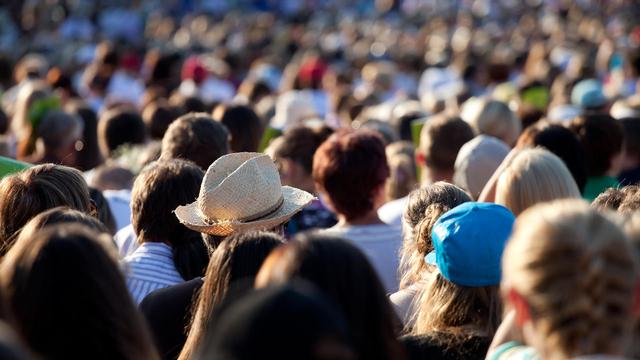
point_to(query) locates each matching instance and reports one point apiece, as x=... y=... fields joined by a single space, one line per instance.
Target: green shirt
x=597 y=185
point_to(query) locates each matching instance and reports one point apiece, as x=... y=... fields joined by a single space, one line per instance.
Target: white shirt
x=380 y=243
x=150 y=268
x=391 y=212
x=126 y=241
x=119 y=202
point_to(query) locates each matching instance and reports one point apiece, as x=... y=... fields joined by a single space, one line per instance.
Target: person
x=493 y=118
x=157 y=117
x=92 y=317
x=195 y=137
x=33 y=103
x=34 y=190
x=287 y=322
x=477 y=160
x=561 y=141
x=613 y=198
x=602 y=283
x=237 y=259
x=103 y=210
x=169 y=253
x=424 y=207
x=533 y=176
x=440 y=141
x=459 y=309
x=56 y=139
x=243 y=124
x=89 y=156
x=630 y=174
x=293 y=154
x=602 y=138
x=402 y=170
x=350 y=170
x=119 y=127
x=345 y=274
x=63 y=215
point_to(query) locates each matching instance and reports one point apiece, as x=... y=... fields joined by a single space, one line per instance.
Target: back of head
x=290 y=322
x=440 y=140
x=69 y=298
x=237 y=258
x=344 y=273
x=562 y=142
x=424 y=208
x=59 y=130
x=494 y=118
x=157 y=117
x=243 y=124
x=300 y=143
x=195 y=137
x=158 y=190
x=42 y=187
x=534 y=176
x=602 y=137
x=477 y=160
x=402 y=169
x=89 y=156
x=351 y=168
x=119 y=127
x=600 y=280
x=60 y=215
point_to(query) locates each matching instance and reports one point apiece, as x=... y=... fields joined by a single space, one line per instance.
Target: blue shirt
x=150 y=268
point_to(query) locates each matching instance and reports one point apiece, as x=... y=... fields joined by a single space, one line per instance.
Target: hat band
x=270 y=210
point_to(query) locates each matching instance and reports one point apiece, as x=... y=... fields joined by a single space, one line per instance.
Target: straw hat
x=240 y=192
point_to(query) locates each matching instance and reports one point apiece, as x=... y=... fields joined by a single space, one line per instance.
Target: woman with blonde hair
x=567 y=309
x=423 y=209
x=493 y=118
x=533 y=176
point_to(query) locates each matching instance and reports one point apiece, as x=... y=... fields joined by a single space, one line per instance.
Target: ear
x=520 y=306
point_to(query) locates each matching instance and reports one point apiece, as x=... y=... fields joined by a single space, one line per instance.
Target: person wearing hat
x=240 y=192
x=460 y=309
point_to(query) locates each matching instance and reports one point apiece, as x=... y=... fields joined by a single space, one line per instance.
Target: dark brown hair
x=69 y=298
x=195 y=137
x=243 y=124
x=119 y=127
x=602 y=137
x=42 y=187
x=157 y=116
x=238 y=257
x=350 y=166
x=159 y=188
x=441 y=140
x=300 y=142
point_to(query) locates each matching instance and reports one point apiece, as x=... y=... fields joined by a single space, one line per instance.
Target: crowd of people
x=399 y=179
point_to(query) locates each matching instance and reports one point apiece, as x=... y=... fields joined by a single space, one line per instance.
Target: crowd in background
x=388 y=179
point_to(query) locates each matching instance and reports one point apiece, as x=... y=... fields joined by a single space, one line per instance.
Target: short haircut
x=494 y=118
x=59 y=130
x=119 y=127
x=441 y=139
x=157 y=116
x=350 y=166
x=534 y=176
x=299 y=143
x=195 y=137
x=42 y=187
x=602 y=137
x=243 y=124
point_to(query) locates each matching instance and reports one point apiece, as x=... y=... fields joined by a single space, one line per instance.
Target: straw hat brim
x=294 y=201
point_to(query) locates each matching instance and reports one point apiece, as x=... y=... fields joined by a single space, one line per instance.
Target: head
x=602 y=138
x=103 y=210
x=477 y=160
x=631 y=130
x=157 y=117
x=243 y=124
x=402 y=170
x=601 y=280
x=35 y=276
x=560 y=141
x=293 y=153
x=33 y=103
x=424 y=208
x=534 y=176
x=159 y=188
x=440 y=141
x=342 y=272
x=350 y=169
x=42 y=187
x=493 y=118
x=461 y=298
x=120 y=127
x=631 y=200
x=111 y=176
x=285 y=322
x=237 y=258
x=62 y=215
x=89 y=156
x=57 y=137
x=195 y=137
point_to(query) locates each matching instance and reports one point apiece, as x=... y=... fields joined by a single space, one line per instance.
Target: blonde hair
x=424 y=208
x=402 y=170
x=493 y=118
x=20 y=124
x=534 y=176
x=577 y=272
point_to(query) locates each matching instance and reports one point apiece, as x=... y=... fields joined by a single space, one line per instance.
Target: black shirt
x=446 y=347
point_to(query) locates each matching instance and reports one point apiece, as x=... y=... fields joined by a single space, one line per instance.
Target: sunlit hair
x=424 y=208
x=534 y=176
x=493 y=118
x=21 y=125
x=577 y=272
x=61 y=215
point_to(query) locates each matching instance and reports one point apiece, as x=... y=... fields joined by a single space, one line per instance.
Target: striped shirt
x=150 y=268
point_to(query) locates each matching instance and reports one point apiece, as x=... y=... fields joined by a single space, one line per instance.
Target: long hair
x=69 y=298
x=424 y=208
x=238 y=257
x=344 y=273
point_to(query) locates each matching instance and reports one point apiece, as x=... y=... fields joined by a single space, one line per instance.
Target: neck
x=369 y=218
x=430 y=176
